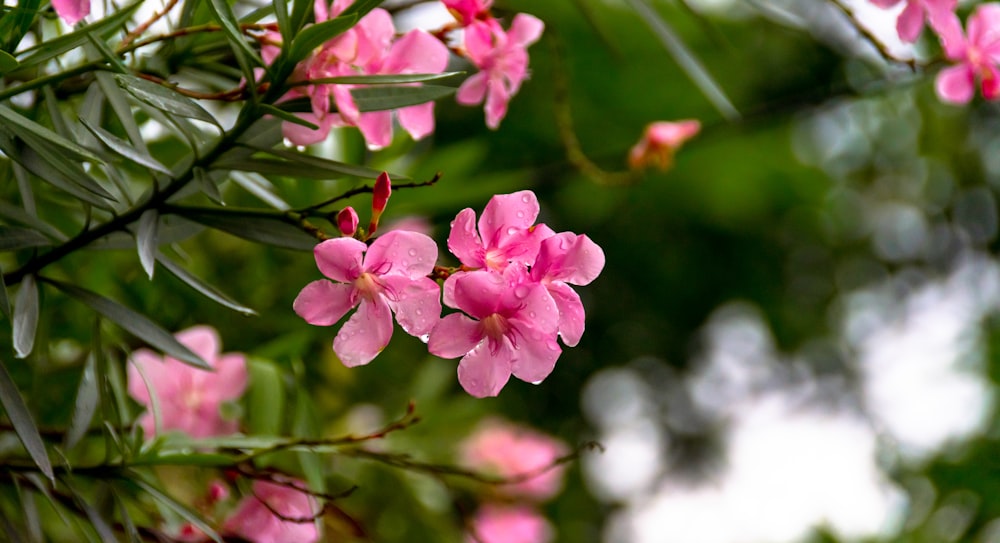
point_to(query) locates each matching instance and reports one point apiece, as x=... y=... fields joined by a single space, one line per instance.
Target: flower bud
x=347 y=221
x=380 y=197
x=659 y=143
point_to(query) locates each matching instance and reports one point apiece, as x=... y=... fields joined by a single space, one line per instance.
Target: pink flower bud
x=659 y=143
x=217 y=491
x=380 y=197
x=347 y=221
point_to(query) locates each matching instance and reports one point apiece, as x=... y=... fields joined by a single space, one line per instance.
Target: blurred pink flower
x=568 y=259
x=508 y=450
x=911 y=19
x=255 y=518
x=513 y=330
x=508 y=524
x=71 y=11
x=977 y=54
x=660 y=141
x=388 y=277
x=502 y=59
x=467 y=11
x=188 y=398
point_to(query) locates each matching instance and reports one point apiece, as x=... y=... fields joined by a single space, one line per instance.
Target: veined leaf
x=270 y=231
x=25 y=316
x=147 y=240
x=57 y=46
x=182 y=510
x=208 y=290
x=123 y=149
x=87 y=399
x=24 y=424
x=388 y=97
x=12 y=238
x=29 y=130
x=163 y=98
x=135 y=323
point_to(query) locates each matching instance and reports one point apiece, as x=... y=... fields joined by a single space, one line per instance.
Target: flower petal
x=365 y=334
x=417 y=304
x=202 y=340
x=417 y=52
x=955 y=84
x=464 y=242
x=505 y=214
x=484 y=371
x=401 y=252
x=418 y=120
x=910 y=22
x=71 y=11
x=570 y=258
x=535 y=356
x=571 y=313
x=472 y=90
x=155 y=371
x=340 y=259
x=525 y=30
x=230 y=378
x=376 y=127
x=454 y=336
x=479 y=293
x=323 y=303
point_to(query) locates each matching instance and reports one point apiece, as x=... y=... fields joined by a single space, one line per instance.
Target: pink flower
x=504 y=234
x=502 y=59
x=509 y=524
x=977 y=54
x=576 y=260
x=71 y=11
x=512 y=451
x=275 y=513
x=188 y=398
x=467 y=11
x=388 y=277
x=369 y=48
x=513 y=330
x=911 y=19
x=659 y=143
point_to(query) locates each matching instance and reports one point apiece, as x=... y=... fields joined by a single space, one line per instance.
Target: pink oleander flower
x=369 y=48
x=71 y=11
x=255 y=520
x=188 y=398
x=502 y=59
x=911 y=19
x=468 y=11
x=509 y=524
x=506 y=233
x=512 y=330
x=507 y=450
x=659 y=143
x=568 y=259
x=388 y=277
x=977 y=54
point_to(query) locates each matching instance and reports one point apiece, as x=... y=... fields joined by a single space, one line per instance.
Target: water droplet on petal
x=520 y=214
x=425 y=338
x=412 y=252
x=531 y=314
x=511 y=230
x=420 y=312
x=525 y=198
x=522 y=291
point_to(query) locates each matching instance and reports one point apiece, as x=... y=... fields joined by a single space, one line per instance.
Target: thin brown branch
x=139 y=30
x=305 y=211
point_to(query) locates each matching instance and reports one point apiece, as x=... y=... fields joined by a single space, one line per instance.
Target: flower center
x=495 y=326
x=367 y=286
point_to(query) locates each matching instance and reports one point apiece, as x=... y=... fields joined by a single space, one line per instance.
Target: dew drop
x=425 y=338
x=412 y=252
x=420 y=312
x=532 y=314
x=520 y=214
x=553 y=346
x=525 y=198
x=511 y=230
x=521 y=291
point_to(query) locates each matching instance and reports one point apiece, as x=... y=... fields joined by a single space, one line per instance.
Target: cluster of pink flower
x=512 y=288
x=529 y=459
x=188 y=400
x=975 y=51
x=371 y=48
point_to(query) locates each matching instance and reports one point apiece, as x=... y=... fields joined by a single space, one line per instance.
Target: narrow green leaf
x=24 y=424
x=270 y=231
x=135 y=323
x=10 y=532
x=4 y=298
x=245 y=56
x=208 y=186
x=328 y=165
x=7 y=62
x=128 y=526
x=277 y=167
x=261 y=187
x=29 y=508
x=386 y=79
x=301 y=11
x=98 y=522
x=236 y=442
x=124 y=149
x=208 y=290
x=147 y=240
x=286 y=116
x=383 y=98
x=83 y=187
x=13 y=238
x=57 y=46
x=16 y=23
x=170 y=503
x=171 y=230
x=163 y=98
x=25 y=128
x=87 y=396
x=25 y=316
x=266 y=399
x=316 y=35
x=119 y=104
x=113 y=60
x=284 y=24
x=14 y=213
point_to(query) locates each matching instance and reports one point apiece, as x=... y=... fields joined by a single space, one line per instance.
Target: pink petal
x=535 y=356
x=375 y=34
x=230 y=377
x=497 y=98
x=910 y=21
x=365 y=334
x=955 y=84
x=480 y=39
x=323 y=303
x=340 y=259
x=448 y=290
x=506 y=211
x=402 y=252
x=417 y=120
x=571 y=313
x=71 y=11
x=346 y=107
x=376 y=127
x=155 y=371
x=417 y=303
x=484 y=372
x=525 y=30
x=535 y=310
x=463 y=241
x=949 y=30
x=479 y=293
x=885 y=3
x=984 y=25
x=454 y=336
x=991 y=83
x=570 y=258
x=202 y=340
x=472 y=90
x=417 y=52
x=303 y=135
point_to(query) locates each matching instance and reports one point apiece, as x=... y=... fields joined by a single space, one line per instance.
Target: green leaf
x=29 y=131
x=128 y=526
x=382 y=79
x=4 y=298
x=87 y=399
x=29 y=508
x=182 y=510
x=119 y=104
x=245 y=56
x=322 y=164
x=122 y=148
x=284 y=24
x=286 y=116
x=383 y=98
x=98 y=522
x=7 y=62
x=83 y=187
x=135 y=323
x=163 y=98
x=266 y=398
x=267 y=230
x=24 y=424
x=279 y=167
x=208 y=185
x=304 y=424
x=316 y=35
x=13 y=238
x=25 y=316
x=14 y=213
x=57 y=46
x=208 y=290
x=187 y=458
x=261 y=187
x=237 y=442
x=16 y=23
x=147 y=240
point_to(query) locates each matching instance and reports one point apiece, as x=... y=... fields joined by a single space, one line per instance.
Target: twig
x=138 y=31
x=306 y=211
